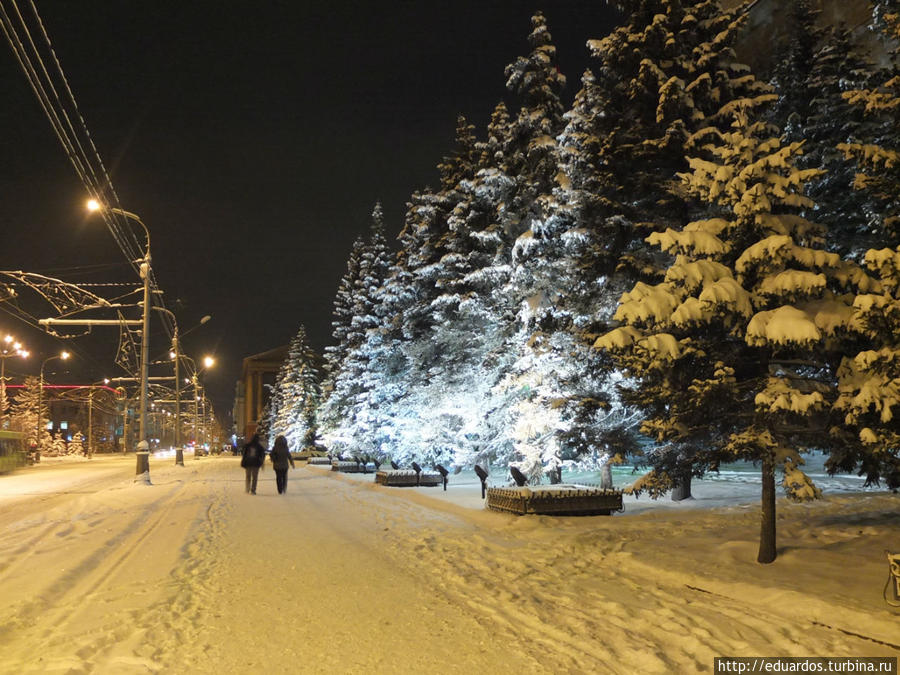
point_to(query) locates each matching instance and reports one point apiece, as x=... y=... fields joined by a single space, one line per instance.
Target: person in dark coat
x=281 y=458
x=253 y=454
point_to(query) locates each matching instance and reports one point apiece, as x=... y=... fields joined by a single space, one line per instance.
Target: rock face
x=767 y=18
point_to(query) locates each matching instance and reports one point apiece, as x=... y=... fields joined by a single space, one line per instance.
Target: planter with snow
x=555 y=500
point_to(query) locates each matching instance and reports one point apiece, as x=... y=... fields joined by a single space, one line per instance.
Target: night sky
x=253 y=139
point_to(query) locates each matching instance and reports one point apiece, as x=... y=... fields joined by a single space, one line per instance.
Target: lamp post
x=62 y=355
x=8 y=347
x=143 y=450
x=176 y=356
x=90 y=436
x=208 y=362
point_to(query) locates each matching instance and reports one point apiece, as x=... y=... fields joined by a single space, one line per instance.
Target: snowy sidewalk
x=342 y=576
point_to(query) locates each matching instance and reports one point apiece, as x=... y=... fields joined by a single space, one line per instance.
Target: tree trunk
x=606 y=481
x=767 y=511
x=682 y=489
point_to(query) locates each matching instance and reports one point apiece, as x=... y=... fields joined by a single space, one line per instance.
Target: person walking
x=281 y=457
x=253 y=454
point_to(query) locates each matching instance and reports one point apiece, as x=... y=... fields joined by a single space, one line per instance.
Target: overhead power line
x=42 y=69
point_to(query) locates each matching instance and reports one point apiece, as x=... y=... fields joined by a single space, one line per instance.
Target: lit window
x=63 y=425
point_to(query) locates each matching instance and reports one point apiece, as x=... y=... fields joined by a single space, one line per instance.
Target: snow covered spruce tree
x=342 y=315
x=734 y=349
x=472 y=323
x=662 y=76
x=297 y=385
x=4 y=409
x=817 y=68
x=25 y=415
x=457 y=360
x=266 y=416
x=877 y=153
x=868 y=433
x=794 y=59
x=346 y=409
x=529 y=396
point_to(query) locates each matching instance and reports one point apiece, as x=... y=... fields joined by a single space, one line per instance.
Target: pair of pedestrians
x=253 y=455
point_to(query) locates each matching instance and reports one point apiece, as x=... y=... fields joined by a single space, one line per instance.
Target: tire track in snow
x=52 y=617
x=23 y=534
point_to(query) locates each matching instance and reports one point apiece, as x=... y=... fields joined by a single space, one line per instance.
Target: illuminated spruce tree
x=343 y=314
x=345 y=404
x=537 y=82
x=297 y=385
x=732 y=350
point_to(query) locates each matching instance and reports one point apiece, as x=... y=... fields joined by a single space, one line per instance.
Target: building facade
x=255 y=387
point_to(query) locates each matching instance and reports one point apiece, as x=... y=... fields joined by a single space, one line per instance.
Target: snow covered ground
x=191 y=575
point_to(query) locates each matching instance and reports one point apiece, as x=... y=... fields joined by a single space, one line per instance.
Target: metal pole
x=196 y=413
x=142 y=468
x=91 y=423
x=179 y=451
x=37 y=431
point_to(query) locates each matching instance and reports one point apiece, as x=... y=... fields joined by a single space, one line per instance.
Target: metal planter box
x=555 y=500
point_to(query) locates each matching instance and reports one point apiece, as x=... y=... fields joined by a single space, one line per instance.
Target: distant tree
x=59 y=447
x=264 y=424
x=297 y=385
x=794 y=61
x=25 y=415
x=4 y=408
x=77 y=445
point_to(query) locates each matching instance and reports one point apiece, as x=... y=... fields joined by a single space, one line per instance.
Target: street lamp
x=143 y=450
x=90 y=435
x=62 y=355
x=176 y=357
x=208 y=362
x=8 y=347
